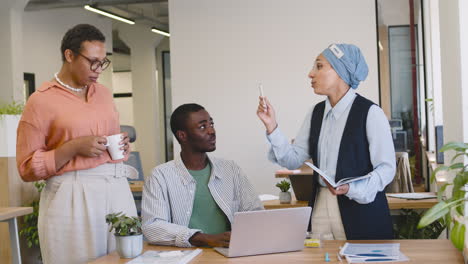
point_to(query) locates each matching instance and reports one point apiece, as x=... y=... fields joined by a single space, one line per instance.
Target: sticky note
x=312 y=242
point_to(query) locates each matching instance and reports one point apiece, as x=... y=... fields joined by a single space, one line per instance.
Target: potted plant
x=128 y=235
x=9 y=118
x=451 y=210
x=284 y=195
x=29 y=229
x=405 y=226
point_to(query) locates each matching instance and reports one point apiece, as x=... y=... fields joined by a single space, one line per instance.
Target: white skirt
x=73 y=208
x=326 y=217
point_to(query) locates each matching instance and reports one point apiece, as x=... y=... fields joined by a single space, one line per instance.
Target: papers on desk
x=374 y=253
x=412 y=196
x=331 y=181
x=166 y=257
x=267 y=197
x=286 y=171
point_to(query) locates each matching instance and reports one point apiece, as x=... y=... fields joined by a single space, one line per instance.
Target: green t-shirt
x=206 y=214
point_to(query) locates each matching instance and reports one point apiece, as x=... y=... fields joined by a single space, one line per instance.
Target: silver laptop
x=267 y=231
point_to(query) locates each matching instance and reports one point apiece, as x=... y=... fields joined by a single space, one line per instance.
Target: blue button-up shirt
x=379 y=135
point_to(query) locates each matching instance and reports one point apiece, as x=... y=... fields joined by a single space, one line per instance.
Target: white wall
x=42 y=35
x=146 y=95
x=394 y=12
x=433 y=68
x=463 y=13
x=453 y=63
x=221 y=49
x=11 y=53
x=123 y=84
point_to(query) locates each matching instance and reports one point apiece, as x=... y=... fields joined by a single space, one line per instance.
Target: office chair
x=134 y=157
x=134 y=161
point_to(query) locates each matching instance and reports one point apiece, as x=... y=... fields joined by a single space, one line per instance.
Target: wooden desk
x=397 y=203
x=304 y=170
x=275 y=204
x=434 y=251
x=393 y=203
x=9 y=214
x=136 y=186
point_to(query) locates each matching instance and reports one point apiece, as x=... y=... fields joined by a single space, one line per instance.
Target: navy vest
x=360 y=221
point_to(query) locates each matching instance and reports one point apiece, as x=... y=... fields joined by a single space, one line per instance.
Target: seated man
x=191 y=200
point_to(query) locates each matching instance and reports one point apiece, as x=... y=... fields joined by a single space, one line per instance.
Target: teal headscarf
x=348 y=62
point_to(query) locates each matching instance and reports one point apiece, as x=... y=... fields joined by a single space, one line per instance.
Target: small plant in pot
x=284 y=195
x=128 y=234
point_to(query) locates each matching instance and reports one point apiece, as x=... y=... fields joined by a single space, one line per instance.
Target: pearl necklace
x=77 y=90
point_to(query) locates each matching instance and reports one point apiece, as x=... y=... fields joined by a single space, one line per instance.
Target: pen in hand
x=260 y=88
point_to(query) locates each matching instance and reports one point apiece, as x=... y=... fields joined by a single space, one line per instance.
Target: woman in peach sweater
x=61 y=139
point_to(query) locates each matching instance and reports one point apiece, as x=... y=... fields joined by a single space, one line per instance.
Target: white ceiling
x=154 y=13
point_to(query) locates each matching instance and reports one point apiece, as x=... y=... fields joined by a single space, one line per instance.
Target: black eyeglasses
x=95 y=64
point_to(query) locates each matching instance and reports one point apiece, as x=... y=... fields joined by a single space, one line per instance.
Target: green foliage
x=406 y=226
x=14 y=108
x=29 y=230
x=284 y=185
x=124 y=225
x=451 y=208
x=457 y=235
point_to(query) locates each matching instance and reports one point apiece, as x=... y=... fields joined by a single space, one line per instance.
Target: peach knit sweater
x=52 y=116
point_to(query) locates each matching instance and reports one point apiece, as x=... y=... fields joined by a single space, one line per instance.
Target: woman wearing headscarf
x=346 y=136
x=61 y=139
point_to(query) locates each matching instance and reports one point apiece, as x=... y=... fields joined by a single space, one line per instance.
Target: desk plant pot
x=128 y=235
x=284 y=195
x=10 y=115
x=129 y=246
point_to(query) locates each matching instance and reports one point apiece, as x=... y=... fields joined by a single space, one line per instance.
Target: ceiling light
x=108 y=14
x=155 y=30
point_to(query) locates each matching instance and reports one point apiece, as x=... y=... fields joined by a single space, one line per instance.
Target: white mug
x=113 y=146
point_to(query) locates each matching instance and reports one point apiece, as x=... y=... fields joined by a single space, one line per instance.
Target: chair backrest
x=134 y=157
x=131 y=132
x=135 y=161
x=402 y=182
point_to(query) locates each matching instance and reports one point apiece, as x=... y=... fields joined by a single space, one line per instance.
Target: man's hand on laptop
x=218 y=240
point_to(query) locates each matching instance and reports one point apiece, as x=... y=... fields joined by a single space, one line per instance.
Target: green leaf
x=13 y=108
x=457 y=235
x=458 y=155
x=284 y=185
x=437 y=211
x=434 y=173
x=448 y=220
x=457 y=165
x=441 y=191
x=454 y=146
x=123 y=225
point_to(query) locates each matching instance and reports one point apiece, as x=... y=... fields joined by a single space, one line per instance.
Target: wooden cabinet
x=13 y=193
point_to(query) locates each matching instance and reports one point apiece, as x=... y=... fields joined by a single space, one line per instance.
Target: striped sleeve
x=248 y=197
x=156 y=214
